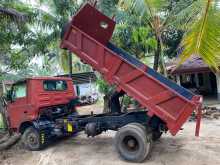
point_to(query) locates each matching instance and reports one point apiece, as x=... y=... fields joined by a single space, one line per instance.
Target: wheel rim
x=130 y=143
x=32 y=140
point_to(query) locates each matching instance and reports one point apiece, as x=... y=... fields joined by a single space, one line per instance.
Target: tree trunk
x=8 y=139
x=106 y=108
x=162 y=65
x=159 y=59
x=157 y=55
x=4 y=115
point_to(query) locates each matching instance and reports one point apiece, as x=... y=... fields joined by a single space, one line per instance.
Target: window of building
x=55 y=85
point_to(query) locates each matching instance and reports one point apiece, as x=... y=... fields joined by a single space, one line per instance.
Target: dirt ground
x=183 y=149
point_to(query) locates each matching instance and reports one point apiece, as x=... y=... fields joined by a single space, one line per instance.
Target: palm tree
x=199 y=19
x=150 y=13
x=60 y=14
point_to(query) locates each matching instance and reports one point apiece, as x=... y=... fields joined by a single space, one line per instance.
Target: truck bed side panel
x=162 y=97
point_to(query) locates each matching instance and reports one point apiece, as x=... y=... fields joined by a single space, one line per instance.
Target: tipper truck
x=167 y=106
x=44 y=108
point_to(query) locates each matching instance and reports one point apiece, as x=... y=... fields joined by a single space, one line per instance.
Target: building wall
x=207 y=83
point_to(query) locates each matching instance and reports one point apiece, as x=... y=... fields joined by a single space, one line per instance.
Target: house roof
x=7 y=82
x=82 y=78
x=193 y=65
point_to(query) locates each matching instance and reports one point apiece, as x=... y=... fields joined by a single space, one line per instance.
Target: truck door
x=17 y=108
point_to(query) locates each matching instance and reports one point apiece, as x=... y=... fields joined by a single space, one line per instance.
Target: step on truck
x=167 y=106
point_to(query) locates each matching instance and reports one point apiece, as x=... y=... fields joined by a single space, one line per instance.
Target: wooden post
x=218 y=84
x=197 y=80
x=178 y=79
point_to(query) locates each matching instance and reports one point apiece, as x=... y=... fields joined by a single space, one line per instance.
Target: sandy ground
x=183 y=149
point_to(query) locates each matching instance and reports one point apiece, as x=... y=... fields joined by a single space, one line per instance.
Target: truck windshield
x=19 y=90
x=55 y=85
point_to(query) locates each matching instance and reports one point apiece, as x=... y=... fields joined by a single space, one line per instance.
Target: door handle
x=25 y=112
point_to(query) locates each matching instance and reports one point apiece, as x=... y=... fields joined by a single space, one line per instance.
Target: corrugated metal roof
x=82 y=78
x=193 y=65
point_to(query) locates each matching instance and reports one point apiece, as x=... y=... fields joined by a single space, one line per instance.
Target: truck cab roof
x=42 y=78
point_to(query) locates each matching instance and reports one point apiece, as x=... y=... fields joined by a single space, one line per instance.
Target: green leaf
x=185 y=14
x=144 y=8
x=156 y=4
x=152 y=42
x=203 y=39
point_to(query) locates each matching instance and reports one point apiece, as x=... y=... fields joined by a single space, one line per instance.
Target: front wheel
x=32 y=139
x=133 y=142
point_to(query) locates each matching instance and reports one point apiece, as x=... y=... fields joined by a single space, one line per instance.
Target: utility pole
x=70 y=65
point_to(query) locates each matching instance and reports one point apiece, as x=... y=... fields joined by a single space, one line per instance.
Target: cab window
x=19 y=90
x=55 y=85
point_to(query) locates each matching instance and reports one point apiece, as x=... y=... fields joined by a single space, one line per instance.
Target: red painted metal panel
x=42 y=98
x=159 y=99
x=94 y=23
x=28 y=108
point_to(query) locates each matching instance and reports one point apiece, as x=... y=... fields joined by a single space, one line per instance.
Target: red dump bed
x=88 y=35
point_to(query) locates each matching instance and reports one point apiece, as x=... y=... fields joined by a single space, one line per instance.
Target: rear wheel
x=133 y=142
x=32 y=139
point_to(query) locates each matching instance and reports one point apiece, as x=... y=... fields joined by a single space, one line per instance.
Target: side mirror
x=13 y=99
x=8 y=95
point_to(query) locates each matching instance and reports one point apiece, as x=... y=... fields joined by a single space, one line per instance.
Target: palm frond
x=185 y=13
x=14 y=11
x=156 y=4
x=204 y=38
x=13 y=14
x=138 y=6
x=147 y=10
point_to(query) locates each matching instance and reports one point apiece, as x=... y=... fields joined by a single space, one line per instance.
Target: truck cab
x=35 y=103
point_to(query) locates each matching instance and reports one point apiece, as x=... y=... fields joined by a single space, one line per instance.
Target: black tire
x=139 y=125
x=32 y=140
x=156 y=135
x=147 y=130
x=133 y=142
x=75 y=113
